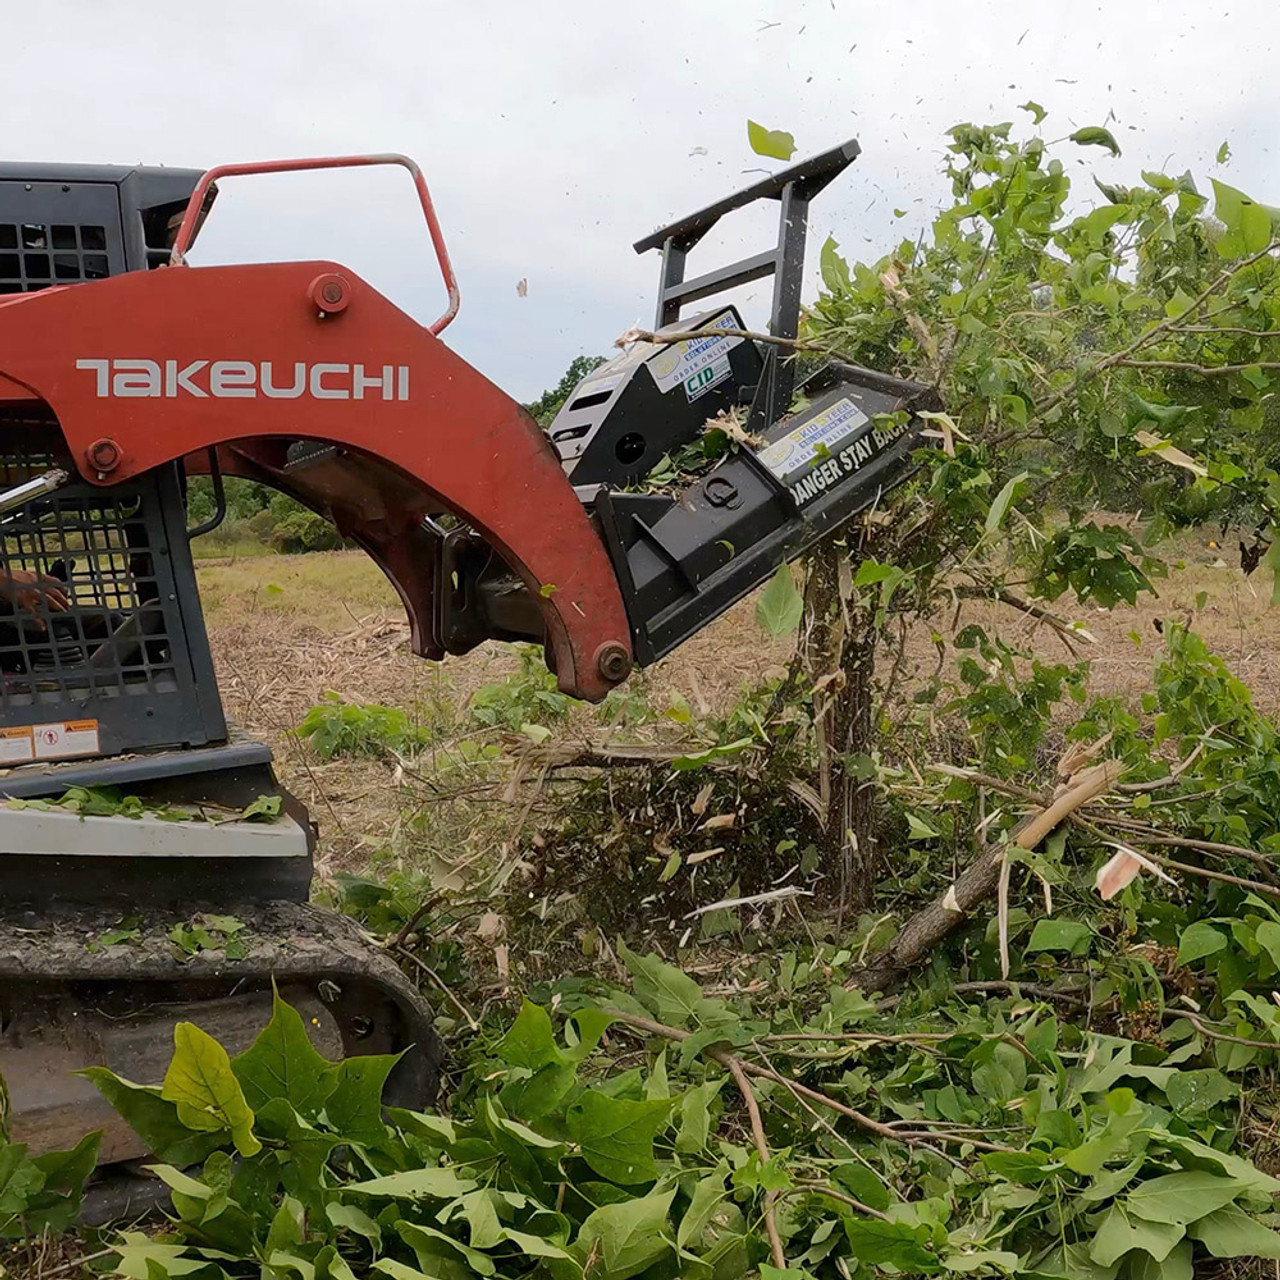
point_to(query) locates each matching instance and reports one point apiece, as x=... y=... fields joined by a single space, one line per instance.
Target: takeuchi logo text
x=246 y=380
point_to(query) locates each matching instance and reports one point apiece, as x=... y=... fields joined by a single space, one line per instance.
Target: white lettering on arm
x=233 y=379
x=99 y=367
x=319 y=390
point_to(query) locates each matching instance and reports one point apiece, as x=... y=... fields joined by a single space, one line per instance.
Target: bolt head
x=330 y=293
x=613 y=661
x=103 y=455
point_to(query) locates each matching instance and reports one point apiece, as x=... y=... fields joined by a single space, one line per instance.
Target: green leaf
x=707 y=1193
x=918 y=828
x=775 y=143
x=998 y=509
x=481 y=1216
x=208 y=1095
x=438 y=1253
x=1229 y=1232
x=1177 y=1266
x=697 y=759
x=530 y=1042
x=1224 y=153
x=308 y=1146
x=414 y=1184
x=56 y=1205
x=437 y=1131
x=616 y=1135
x=137 y=1253
x=981 y=1259
x=283 y=1063
x=1119 y=1233
x=667 y=992
x=541 y=1093
x=583 y=1032
x=1268 y=936
x=835 y=270
x=540 y=1247
x=695 y=1115
x=1193 y=1094
x=288 y=1226
x=1071 y=936
x=1196 y=1153
x=181 y=1182
x=628 y=1237
x=402 y=1271
x=1072 y=1262
x=896 y=1244
x=780 y=606
x=865 y=1185
x=1038 y=113
x=20 y=1180
x=153 y=1118
x=1182 y=1197
x=1272 y=562
x=1247 y=223
x=1199 y=940
x=266 y=808
x=1114 y=1140
x=331 y=1265
x=1096 y=136
x=348 y=1217
x=354 y=1105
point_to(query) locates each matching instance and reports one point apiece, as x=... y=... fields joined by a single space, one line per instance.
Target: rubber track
x=374 y=1003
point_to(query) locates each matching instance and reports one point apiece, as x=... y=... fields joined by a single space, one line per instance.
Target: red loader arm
x=149 y=367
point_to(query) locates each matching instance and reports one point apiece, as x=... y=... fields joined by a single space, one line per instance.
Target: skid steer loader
x=123 y=372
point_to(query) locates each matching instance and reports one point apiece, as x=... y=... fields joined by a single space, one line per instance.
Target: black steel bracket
x=793 y=188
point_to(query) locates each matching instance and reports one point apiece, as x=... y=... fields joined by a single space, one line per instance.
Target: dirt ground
x=287 y=629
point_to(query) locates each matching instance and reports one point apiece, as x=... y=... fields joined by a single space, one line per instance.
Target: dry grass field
x=288 y=629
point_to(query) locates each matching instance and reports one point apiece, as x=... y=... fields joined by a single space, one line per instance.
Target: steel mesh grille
x=35 y=255
x=103 y=549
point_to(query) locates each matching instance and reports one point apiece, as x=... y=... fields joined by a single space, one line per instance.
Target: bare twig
x=76 y=1262
x=1139 y=833
x=751 y=900
x=1148 y=336
x=1221 y=876
x=587 y=754
x=988 y=780
x=1200 y=370
x=1063 y=629
x=864 y=1121
x=409 y=925
x=1226 y=328
x=735 y=1069
x=1169 y=778
x=818 y=1189
x=440 y=982
x=1199 y=1024
x=793 y=344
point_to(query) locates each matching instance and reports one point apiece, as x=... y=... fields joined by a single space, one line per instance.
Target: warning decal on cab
x=53 y=741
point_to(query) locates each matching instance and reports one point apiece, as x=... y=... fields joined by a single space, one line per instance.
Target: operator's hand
x=26 y=589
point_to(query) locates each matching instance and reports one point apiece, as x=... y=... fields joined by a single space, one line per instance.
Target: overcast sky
x=554 y=134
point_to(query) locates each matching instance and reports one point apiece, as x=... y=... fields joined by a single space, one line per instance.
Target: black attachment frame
x=793 y=188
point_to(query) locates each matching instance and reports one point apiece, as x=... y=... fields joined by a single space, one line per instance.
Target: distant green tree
x=547 y=405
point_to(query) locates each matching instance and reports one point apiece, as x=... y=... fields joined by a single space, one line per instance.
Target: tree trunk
x=920 y=935
x=839 y=650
